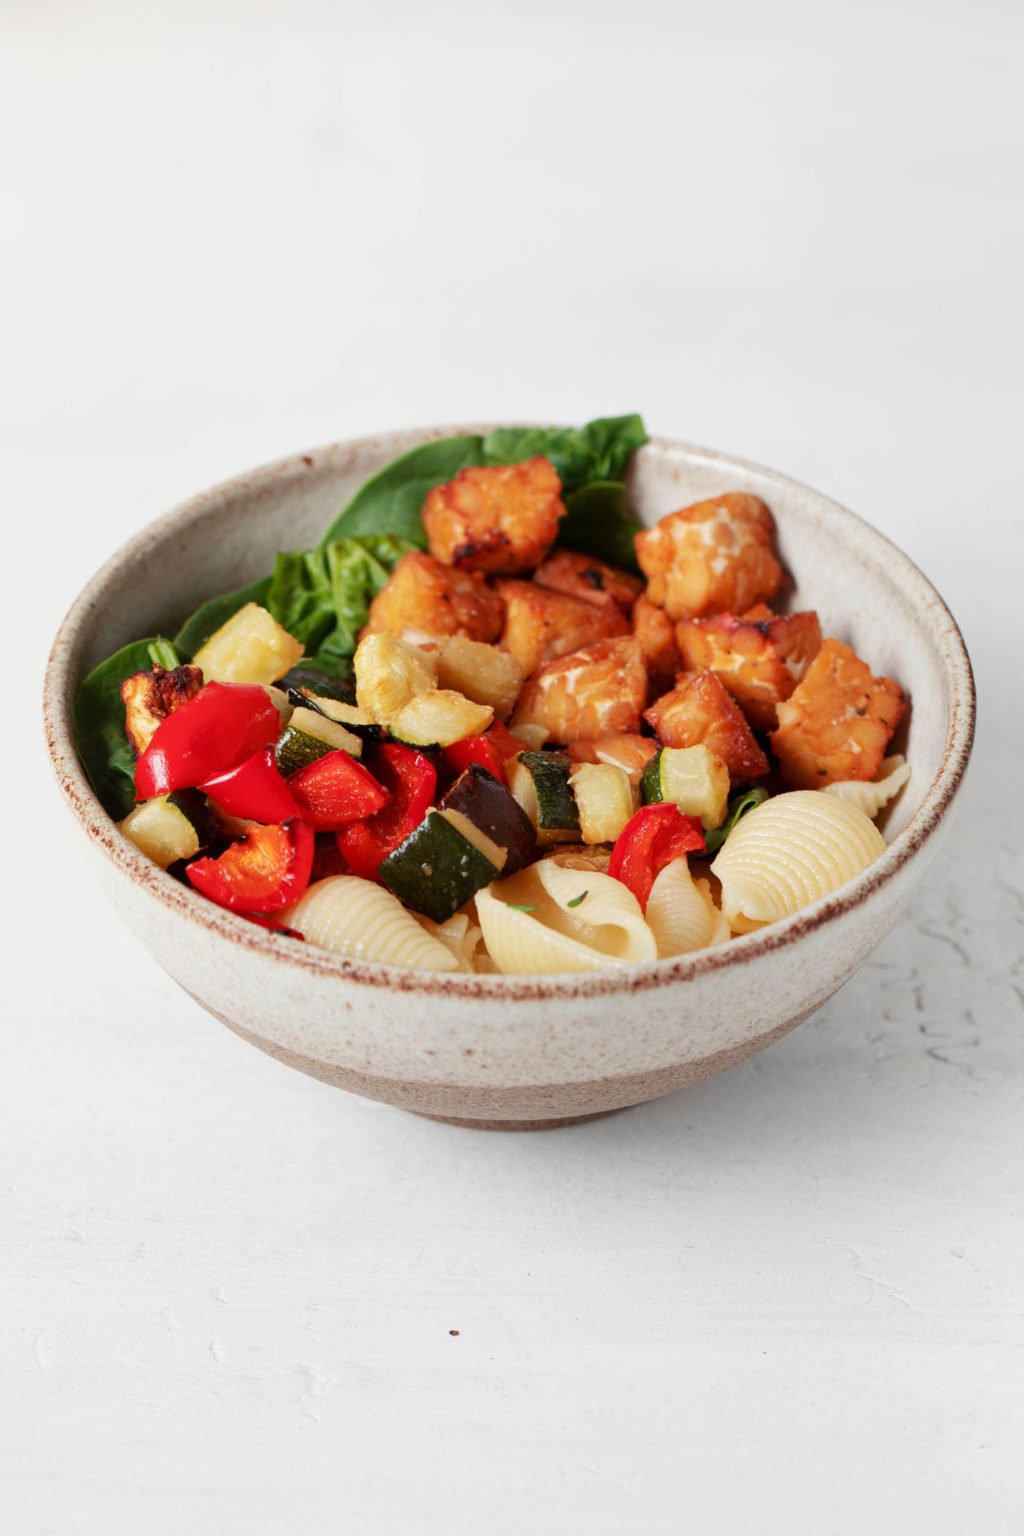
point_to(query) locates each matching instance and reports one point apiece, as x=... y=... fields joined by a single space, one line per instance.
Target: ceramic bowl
x=499 y=1051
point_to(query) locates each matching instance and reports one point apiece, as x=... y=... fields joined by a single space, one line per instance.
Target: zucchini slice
x=694 y=778
x=252 y=647
x=477 y=795
x=309 y=735
x=439 y=717
x=604 y=800
x=350 y=716
x=540 y=783
x=166 y=829
x=441 y=864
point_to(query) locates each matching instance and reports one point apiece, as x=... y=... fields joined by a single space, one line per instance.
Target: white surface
x=786 y=1301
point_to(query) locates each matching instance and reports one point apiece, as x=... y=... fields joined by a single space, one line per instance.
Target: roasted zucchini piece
x=167 y=829
x=252 y=647
x=309 y=736
x=438 y=718
x=604 y=800
x=441 y=865
x=389 y=673
x=540 y=783
x=694 y=778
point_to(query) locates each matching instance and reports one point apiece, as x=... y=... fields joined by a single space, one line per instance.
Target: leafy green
x=208 y=618
x=581 y=455
x=598 y=522
x=391 y=501
x=739 y=805
x=102 y=744
x=322 y=596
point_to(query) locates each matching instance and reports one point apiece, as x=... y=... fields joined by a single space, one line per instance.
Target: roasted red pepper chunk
x=411 y=780
x=652 y=838
x=477 y=749
x=336 y=790
x=255 y=790
x=218 y=729
x=265 y=871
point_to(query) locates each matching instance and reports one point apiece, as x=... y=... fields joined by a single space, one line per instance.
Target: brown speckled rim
x=57 y=717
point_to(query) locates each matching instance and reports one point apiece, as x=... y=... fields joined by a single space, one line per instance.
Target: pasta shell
x=872 y=796
x=363 y=921
x=457 y=934
x=681 y=914
x=534 y=923
x=790 y=851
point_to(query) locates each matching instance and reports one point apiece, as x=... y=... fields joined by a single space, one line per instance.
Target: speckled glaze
x=502 y=1051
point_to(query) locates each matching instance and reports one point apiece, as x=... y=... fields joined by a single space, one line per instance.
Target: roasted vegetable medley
x=493 y=723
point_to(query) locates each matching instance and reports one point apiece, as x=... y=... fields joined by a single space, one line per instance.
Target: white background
x=789 y=1300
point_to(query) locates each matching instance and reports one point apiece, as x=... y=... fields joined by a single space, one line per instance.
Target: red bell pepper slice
x=476 y=749
x=336 y=790
x=652 y=838
x=411 y=780
x=223 y=725
x=255 y=790
x=265 y=871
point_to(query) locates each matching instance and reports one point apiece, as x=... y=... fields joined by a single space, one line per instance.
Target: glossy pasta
x=873 y=796
x=363 y=921
x=681 y=913
x=789 y=852
x=535 y=922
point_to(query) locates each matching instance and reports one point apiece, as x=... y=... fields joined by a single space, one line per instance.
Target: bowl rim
x=173 y=894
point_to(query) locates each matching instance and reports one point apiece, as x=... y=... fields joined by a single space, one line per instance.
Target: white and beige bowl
x=501 y=1051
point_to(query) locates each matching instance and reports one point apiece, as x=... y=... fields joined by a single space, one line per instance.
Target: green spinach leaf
x=598 y=522
x=99 y=721
x=739 y=805
x=208 y=618
x=392 y=500
x=581 y=455
x=322 y=596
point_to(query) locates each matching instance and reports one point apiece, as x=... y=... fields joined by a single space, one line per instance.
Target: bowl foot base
x=517 y=1125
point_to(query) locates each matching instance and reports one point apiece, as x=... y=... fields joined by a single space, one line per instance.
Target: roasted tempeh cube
x=760 y=657
x=425 y=601
x=838 y=721
x=499 y=518
x=149 y=697
x=657 y=636
x=598 y=690
x=713 y=557
x=627 y=751
x=566 y=570
x=699 y=710
x=541 y=624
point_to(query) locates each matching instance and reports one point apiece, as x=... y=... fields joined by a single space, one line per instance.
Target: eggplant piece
x=477 y=795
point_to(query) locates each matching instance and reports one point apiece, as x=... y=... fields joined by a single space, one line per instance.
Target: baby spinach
x=99 y=721
x=598 y=451
x=739 y=805
x=391 y=501
x=598 y=522
x=322 y=596
x=209 y=617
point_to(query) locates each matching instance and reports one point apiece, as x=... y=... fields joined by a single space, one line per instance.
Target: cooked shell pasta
x=458 y=934
x=871 y=797
x=789 y=851
x=681 y=914
x=363 y=921
x=548 y=918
